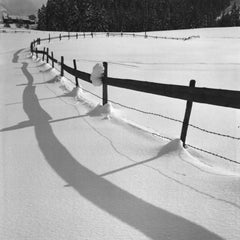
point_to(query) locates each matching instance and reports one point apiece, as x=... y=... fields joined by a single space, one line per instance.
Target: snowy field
x=212 y=60
x=71 y=169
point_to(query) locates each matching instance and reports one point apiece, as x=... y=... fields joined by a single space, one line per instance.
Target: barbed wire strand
x=214 y=133
x=148 y=113
x=109 y=62
x=213 y=154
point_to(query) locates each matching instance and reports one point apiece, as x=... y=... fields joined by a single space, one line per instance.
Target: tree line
x=131 y=15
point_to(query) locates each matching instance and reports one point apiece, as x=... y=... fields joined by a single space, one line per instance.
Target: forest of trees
x=133 y=15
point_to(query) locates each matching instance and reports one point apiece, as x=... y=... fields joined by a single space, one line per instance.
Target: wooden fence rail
x=217 y=97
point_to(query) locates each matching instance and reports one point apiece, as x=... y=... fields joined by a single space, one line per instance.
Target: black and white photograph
x=119 y=119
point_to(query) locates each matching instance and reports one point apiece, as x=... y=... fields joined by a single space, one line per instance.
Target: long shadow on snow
x=162 y=152
x=26 y=124
x=154 y=222
x=16 y=55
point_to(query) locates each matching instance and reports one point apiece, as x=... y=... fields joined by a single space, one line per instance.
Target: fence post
x=75 y=68
x=84 y=34
x=92 y=34
x=52 y=60
x=47 y=55
x=76 y=36
x=62 y=62
x=49 y=38
x=36 y=52
x=187 y=116
x=43 y=54
x=60 y=37
x=105 y=89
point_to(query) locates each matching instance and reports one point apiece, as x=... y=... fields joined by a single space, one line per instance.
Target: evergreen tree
x=133 y=15
x=42 y=18
x=231 y=18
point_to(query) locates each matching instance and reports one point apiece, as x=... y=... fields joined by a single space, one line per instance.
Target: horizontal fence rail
x=76 y=73
x=217 y=97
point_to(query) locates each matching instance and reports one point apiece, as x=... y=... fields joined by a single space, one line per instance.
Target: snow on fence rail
x=217 y=97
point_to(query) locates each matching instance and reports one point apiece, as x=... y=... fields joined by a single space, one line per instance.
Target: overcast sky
x=22 y=7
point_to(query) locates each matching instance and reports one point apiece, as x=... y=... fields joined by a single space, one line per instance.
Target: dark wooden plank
x=52 y=38
x=44 y=39
x=78 y=74
x=83 y=75
x=69 y=69
x=38 y=51
x=219 y=97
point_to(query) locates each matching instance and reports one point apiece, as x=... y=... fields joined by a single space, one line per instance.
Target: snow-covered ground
x=72 y=169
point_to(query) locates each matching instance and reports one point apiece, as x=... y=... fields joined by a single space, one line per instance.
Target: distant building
x=9 y=19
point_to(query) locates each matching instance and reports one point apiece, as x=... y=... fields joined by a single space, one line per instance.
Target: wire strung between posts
x=213 y=154
x=161 y=136
x=91 y=93
x=109 y=62
x=176 y=120
x=168 y=118
x=214 y=133
x=154 y=134
x=167 y=138
x=149 y=113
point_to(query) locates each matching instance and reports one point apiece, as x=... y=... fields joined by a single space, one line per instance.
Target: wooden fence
x=217 y=97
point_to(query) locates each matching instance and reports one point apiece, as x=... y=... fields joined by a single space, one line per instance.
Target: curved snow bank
x=205 y=166
x=176 y=158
